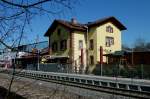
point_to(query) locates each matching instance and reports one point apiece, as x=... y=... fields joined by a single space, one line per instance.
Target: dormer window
x=109 y=29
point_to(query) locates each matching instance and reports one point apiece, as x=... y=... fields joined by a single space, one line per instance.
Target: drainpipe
x=71 y=52
x=87 y=36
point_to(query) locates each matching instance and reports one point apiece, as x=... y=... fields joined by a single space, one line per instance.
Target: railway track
x=109 y=85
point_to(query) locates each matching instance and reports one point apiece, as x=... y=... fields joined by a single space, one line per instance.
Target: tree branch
x=12 y=16
x=25 y=6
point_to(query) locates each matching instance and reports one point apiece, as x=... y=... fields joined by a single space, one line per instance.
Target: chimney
x=73 y=21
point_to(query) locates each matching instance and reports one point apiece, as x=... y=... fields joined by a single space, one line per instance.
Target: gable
x=69 y=25
x=113 y=20
x=64 y=33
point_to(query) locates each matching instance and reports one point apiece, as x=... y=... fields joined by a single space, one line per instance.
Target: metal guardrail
x=121 y=86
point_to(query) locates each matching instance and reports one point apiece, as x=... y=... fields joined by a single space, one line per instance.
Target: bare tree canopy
x=139 y=45
x=16 y=16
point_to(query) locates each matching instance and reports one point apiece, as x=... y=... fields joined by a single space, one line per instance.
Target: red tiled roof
x=72 y=26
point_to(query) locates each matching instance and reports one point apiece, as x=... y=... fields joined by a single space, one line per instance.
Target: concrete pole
x=132 y=56
x=38 y=61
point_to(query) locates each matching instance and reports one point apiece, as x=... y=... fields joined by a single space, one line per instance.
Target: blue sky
x=134 y=14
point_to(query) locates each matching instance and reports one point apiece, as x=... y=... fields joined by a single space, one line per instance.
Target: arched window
x=59 y=32
x=63 y=44
x=109 y=29
x=54 y=46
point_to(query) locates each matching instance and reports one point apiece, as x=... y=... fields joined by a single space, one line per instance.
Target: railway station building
x=79 y=44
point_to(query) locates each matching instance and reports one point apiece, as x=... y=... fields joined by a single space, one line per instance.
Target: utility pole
x=132 y=56
x=38 y=51
x=38 y=67
x=142 y=75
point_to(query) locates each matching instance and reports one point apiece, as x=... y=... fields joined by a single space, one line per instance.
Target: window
x=109 y=41
x=54 y=46
x=91 y=60
x=91 y=46
x=63 y=45
x=59 y=32
x=109 y=29
x=80 y=44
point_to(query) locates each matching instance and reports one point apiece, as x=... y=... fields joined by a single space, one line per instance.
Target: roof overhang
x=117 y=54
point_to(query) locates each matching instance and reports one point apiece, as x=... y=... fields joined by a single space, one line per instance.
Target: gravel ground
x=34 y=89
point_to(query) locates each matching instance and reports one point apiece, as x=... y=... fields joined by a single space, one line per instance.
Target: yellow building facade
x=79 y=44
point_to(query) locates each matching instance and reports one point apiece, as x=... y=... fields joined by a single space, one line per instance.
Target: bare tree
x=17 y=15
x=139 y=44
x=126 y=47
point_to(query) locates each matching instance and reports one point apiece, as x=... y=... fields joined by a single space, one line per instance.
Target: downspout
x=87 y=31
x=71 y=48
